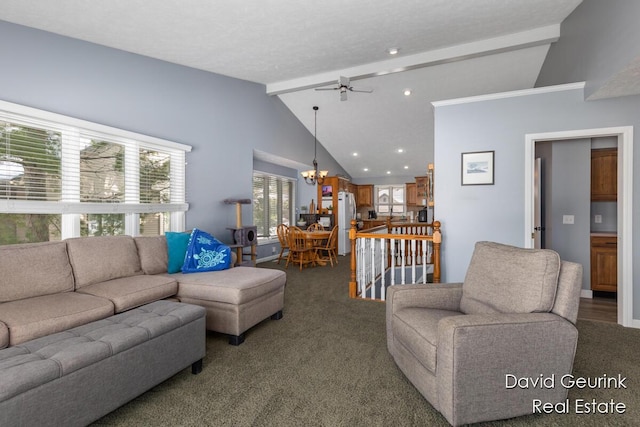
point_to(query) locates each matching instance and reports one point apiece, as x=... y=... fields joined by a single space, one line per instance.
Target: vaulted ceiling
x=447 y=49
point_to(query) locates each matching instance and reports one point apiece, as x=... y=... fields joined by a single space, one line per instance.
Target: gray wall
x=570 y=193
x=224 y=119
x=496 y=212
x=596 y=40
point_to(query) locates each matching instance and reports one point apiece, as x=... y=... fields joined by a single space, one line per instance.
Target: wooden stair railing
x=408 y=234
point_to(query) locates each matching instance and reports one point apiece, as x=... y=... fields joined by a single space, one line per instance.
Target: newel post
x=437 y=239
x=352 y=238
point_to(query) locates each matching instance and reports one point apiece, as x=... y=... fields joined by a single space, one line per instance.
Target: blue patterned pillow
x=205 y=253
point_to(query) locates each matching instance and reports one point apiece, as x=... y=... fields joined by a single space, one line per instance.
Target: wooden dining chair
x=299 y=251
x=283 y=237
x=330 y=246
x=315 y=227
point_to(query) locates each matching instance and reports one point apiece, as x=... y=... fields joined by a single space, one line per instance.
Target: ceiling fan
x=344 y=86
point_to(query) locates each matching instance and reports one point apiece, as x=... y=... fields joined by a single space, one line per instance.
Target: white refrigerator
x=346 y=212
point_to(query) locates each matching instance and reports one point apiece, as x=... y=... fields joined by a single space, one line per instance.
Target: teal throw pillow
x=177 y=244
x=205 y=253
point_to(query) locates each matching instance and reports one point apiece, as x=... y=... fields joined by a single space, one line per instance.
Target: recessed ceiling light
x=388 y=172
x=400 y=150
x=393 y=50
x=355 y=154
x=366 y=169
x=406 y=167
x=407 y=92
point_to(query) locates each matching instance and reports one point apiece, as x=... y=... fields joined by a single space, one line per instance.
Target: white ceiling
x=448 y=49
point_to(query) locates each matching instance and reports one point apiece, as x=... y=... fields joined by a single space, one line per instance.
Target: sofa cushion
x=34 y=269
x=416 y=329
x=133 y=291
x=236 y=285
x=4 y=334
x=152 y=251
x=98 y=259
x=508 y=279
x=35 y=317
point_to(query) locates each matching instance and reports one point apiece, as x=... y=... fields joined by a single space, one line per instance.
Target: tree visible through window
x=59 y=181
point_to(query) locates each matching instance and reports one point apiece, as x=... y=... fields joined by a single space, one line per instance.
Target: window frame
x=391 y=188
x=69 y=206
x=279 y=205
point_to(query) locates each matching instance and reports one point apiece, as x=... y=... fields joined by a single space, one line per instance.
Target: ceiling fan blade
x=327 y=88
x=343 y=95
x=365 y=90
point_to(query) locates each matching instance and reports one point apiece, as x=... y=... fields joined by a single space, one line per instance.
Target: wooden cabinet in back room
x=604 y=175
x=604 y=263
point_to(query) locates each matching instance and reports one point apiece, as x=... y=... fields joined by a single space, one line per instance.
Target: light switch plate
x=598 y=219
x=568 y=219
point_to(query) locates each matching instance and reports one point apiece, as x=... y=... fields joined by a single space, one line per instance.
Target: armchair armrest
x=477 y=352
x=442 y=296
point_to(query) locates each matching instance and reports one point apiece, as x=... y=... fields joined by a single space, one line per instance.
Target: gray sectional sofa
x=87 y=324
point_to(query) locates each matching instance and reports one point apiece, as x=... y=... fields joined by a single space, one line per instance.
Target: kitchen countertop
x=604 y=233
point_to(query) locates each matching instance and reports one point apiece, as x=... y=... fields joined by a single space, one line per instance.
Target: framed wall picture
x=477 y=168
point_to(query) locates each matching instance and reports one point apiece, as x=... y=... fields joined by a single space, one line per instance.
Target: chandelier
x=314 y=176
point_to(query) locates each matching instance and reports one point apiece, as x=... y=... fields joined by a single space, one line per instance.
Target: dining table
x=317 y=239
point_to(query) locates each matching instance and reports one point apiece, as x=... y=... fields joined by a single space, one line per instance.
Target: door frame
x=625 y=205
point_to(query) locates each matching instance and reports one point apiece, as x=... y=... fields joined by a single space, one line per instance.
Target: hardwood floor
x=598 y=308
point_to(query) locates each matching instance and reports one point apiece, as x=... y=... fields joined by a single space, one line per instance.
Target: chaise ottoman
x=235 y=299
x=74 y=377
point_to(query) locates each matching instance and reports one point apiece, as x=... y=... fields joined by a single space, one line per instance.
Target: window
x=273 y=203
x=61 y=177
x=389 y=199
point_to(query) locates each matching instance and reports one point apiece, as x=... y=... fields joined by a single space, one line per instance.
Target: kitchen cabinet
x=364 y=197
x=422 y=184
x=353 y=189
x=604 y=263
x=604 y=175
x=337 y=184
x=412 y=194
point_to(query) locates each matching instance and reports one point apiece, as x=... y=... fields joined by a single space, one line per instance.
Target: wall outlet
x=598 y=219
x=568 y=219
x=273 y=249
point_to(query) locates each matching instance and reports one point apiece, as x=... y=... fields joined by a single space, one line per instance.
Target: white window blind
x=390 y=199
x=109 y=180
x=273 y=202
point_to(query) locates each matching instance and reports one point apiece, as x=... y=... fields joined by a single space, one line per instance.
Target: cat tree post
x=243 y=236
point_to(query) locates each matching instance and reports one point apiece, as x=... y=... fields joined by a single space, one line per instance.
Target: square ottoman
x=235 y=299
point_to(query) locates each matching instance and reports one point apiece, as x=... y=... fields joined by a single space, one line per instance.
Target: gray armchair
x=464 y=345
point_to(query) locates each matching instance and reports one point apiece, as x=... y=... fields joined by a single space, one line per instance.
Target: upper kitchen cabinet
x=364 y=197
x=411 y=193
x=421 y=190
x=604 y=175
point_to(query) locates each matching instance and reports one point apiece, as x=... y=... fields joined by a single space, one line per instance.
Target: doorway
x=624 y=205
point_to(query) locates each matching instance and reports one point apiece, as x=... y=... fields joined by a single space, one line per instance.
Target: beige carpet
x=326 y=364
